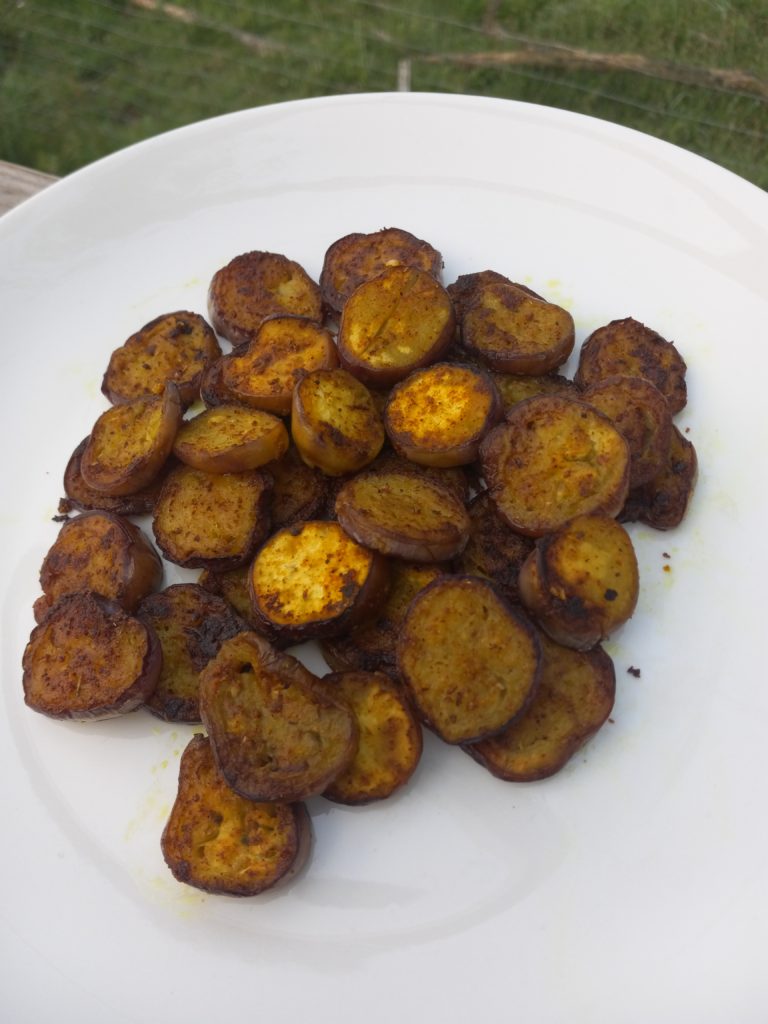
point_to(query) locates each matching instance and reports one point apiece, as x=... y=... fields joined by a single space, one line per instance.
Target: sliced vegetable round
x=230 y=438
x=357 y=258
x=629 y=348
x=470 y=662
x=212 y=520
x=103 y=553
x=264 y=373
x=89 y=659
x=257 y=285
x=393 y=324
x=175 y=346
x=312 y=579
x=276 y=731
x=403 y=514
x=389 y=738
x=581 y=583
x=438 y=415
x=513 y=332
x=130 y=443
x=554 y=458
x=222 y=843
x=335 y=423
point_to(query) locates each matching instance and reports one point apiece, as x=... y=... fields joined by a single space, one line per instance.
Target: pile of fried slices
x=387 y=466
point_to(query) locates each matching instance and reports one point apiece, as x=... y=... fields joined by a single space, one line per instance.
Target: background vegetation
x=81 y=78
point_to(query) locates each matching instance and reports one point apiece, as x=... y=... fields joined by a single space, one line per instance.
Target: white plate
x=631 y=887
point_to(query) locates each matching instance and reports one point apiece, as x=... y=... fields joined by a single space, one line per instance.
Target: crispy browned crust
x=642 y=414
x=439 y=415
x=130 y=443
x=494 y=549
x=191 y=624
x=264 y=373
x=212 y=520
x=513 y=332
x=357 y=258
x=629 y=348
x=89 y=659
x=574 y=699
x=464 y=289
x=255 y=286
x=554 y=458
x=83 y=498
x=175 y=346
x=662 y=502
x=404 y=515
x=222 y=843
x=335 y=423
x=299 y=491
x=469 y=660
x=101 y=552
x=276 y=731
x=581 y=583
x=371 y=647
x=311 y=580
x=230 y=439
x=514 y=387
x=389 y=738
x=456 y=478
x=393 y=324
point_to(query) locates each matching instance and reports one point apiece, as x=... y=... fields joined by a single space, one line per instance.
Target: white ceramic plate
x=631 y=887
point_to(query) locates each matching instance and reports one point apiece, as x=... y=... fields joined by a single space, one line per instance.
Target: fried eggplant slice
x=312 y=579
x=175 y=346
x=574 y=699
x=130 y=443
x=100 y=552
x=404 y=515
x=230 y=439
x=469 y=660
x=494 y=549
x=276 y=732
x=89 y=659
x=554 y=458
x=581 y=583
x=222 y=843
x=264 y=373
x=439 y=415
x=456 y=478
x=258 y=285
x=191 y=624
x=78 y=495
x=641 y=413
x=212 y=520
x=371 y=647
x=513 y=332
x=629 y=348
x=299 y=491
x=515 y=387
x=389 y=738
x=663 y=501
x=393 y=324
x=356 y=258
x=466 y=286
x=335 y=423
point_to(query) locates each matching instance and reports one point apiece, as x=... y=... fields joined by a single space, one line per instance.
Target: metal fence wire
x=81 y=78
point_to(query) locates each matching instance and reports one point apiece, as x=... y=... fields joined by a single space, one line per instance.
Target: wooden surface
x=18 y=183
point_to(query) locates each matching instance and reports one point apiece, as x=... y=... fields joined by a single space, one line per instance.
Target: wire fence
x=82 y=78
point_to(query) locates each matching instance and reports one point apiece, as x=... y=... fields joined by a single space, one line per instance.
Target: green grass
x=81 y=78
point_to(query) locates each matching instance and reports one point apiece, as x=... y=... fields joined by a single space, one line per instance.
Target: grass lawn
x=81 y=78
